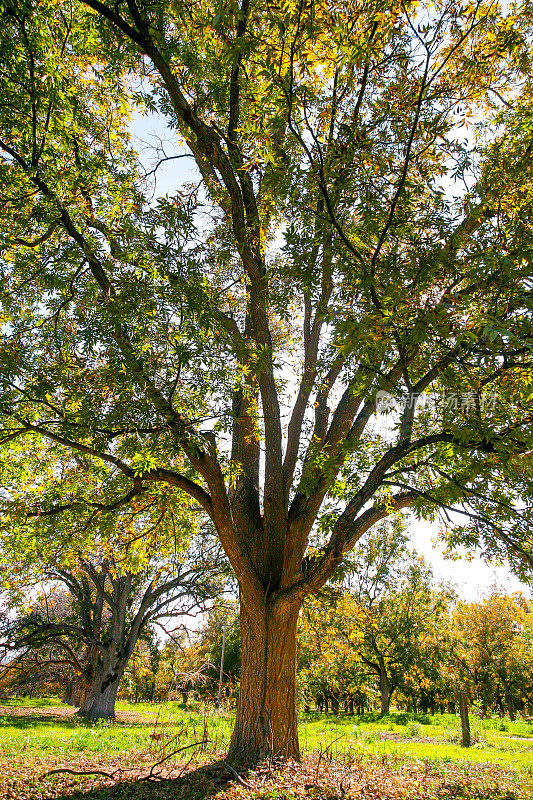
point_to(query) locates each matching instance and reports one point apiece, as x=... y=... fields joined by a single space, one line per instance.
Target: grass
x=41 y=734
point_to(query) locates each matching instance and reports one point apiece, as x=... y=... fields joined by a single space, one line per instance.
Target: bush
x=414 y=729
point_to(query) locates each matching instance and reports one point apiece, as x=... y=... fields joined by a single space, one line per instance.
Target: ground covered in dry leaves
x=366 y=778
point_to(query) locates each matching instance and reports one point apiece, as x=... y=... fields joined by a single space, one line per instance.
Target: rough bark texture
x=100 y=703
x=101 y=693
x=77 y=692
x=266 y=723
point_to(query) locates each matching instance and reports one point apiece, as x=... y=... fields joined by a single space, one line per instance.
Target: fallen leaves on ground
x=361 y=777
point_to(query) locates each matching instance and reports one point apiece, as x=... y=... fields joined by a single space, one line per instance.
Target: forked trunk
x=266 y=722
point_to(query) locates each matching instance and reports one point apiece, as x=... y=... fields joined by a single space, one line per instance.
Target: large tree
x=361 y=224
x=89 y=567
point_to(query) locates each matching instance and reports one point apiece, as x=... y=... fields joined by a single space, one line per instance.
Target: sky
x=471 y=576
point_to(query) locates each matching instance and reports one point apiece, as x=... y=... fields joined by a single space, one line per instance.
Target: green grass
x=32 y=702
x=364 y=734
x=396 y=735
x=36 y=734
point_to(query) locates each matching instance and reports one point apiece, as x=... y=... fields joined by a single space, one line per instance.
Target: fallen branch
x=151 y=776
x=61 y=770
x=238 y=777
x=112 y=775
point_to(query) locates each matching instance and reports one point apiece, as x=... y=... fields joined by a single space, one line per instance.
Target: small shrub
x=413 y=729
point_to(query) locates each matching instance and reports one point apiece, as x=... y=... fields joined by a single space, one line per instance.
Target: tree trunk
x=77 y=691
x=266 y=722
x=510 y=705
x=101 y=699
x=384 y=690
x=100 y=694
x=465 y=721
x=70 y=694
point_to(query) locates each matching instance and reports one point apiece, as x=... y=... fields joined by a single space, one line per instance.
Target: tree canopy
x=360 y=231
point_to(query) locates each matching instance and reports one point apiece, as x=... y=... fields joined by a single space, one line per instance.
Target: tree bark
x=70 y=695
x=100 y=703
x=465 y=721
x=101 y=693
x=384 y=690
x=77 y=691
x=510 y=705
x=266 y=722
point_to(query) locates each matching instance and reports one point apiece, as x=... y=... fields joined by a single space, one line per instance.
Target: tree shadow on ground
x=23 y=721
x=202 y=783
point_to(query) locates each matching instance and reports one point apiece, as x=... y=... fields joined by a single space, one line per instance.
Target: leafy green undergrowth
x=416 y=740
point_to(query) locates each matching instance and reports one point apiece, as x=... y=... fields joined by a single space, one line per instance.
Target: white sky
x=472 y=578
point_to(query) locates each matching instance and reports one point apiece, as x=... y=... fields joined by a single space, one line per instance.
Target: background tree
x=119 y=567
x=232 y=339
x=139 y=682
x=495 y=649
x=390 y=624
x=221 y=624
x=46 y=670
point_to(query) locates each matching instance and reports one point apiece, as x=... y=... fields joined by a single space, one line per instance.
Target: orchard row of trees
x=386 y=631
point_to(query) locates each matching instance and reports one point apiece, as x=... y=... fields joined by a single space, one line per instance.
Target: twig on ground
x=112 y=775
x=182 y=770
x=237 y=776
x=61 y=770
